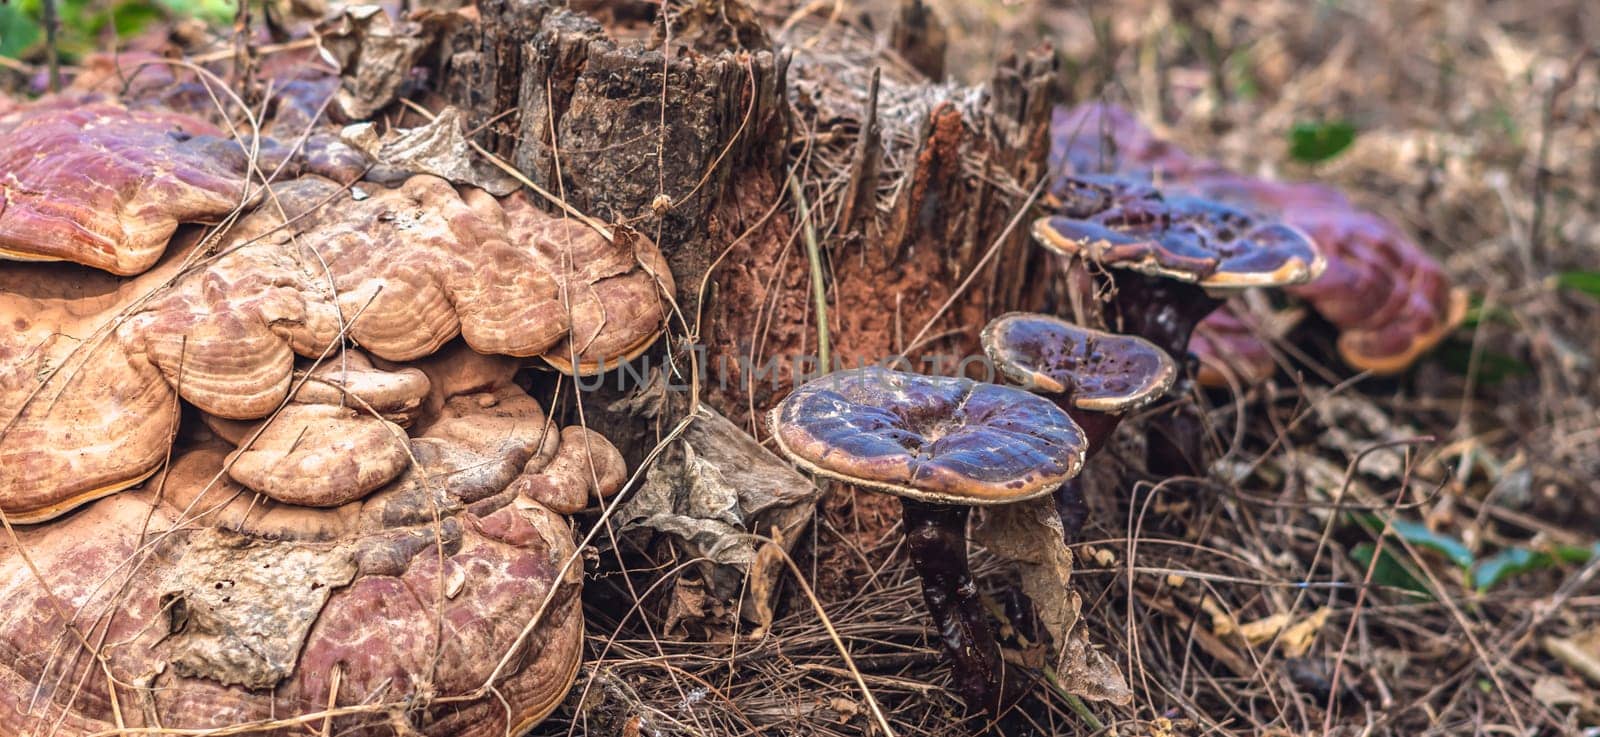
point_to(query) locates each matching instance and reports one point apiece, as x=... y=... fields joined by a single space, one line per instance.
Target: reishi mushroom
x=115 y=185
x=942 y=445
x=1177 y=259
x=1389 y=299
x=81 y=416
x=374 y=527
x=398 y=272
x=443 y=604
x=1228 y=351
x=1096 y=377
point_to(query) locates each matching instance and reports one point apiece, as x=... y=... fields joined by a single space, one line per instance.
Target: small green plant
x=1481 y=573
x=1587 y=282
x=85 y=24
x=1316 y=141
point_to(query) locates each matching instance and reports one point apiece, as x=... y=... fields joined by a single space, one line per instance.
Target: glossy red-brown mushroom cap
x=935 y=439
x=1096 y=370
x=1391 y=301
x=104 y=186
x=1125 y=224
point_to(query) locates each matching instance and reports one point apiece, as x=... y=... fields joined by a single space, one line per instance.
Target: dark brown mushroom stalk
x=1177 y=259
x=1096 y=377
x=943 y=445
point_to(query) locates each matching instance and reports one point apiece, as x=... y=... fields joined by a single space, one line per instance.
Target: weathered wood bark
x=623 y=123
x=685 y=128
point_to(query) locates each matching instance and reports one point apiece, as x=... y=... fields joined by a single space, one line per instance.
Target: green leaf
x=1495 y=569
x=18 y=32
x=1576 y=554
x=1419 y=535
x=1491 y=571
x=215 y=12
x=133 y=17
x=1314 y=141
x=1587 y=282
x=1494 y=367
x=1389 y=571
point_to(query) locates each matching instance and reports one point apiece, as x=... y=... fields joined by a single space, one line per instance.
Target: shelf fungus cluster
x=262 y=447
x=1390 y=301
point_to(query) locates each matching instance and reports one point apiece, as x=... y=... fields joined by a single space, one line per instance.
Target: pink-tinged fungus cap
x=1095 y=370
x=1390 y=300
x=104 y=186
x=1099 y=138
x=254 y=611
x=1229 y=350
x=320 y=455
x=935 y=439
x=615 y=291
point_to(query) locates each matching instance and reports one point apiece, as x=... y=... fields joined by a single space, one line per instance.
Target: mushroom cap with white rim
x=934 y=439
x=1097 y=370
x=1123 y=223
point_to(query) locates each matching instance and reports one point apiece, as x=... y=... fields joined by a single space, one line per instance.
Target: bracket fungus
x=1096 y=377
x=115 y=185
x=1229 y=352
x=1389 y=299
x=1176 y=260
x=445 y=603
x=81 y=416
x=398 y=272
x=942 y=445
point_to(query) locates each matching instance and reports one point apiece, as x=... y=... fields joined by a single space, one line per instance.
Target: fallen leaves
x=1294 y=638
x=1030 y=535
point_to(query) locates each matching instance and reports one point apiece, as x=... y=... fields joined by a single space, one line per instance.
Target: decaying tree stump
x=911 y=183
x=690 y=127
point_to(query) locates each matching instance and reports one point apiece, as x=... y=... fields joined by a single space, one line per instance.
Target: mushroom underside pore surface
x=942 y=445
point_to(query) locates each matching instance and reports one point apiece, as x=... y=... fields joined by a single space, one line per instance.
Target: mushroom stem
x=1162 y=311
x=936 y=536
x=1070 y=504
x=1165 y=312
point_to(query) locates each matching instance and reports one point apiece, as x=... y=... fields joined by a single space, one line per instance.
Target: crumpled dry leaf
x=1297 y=637
x=375 y=56
x=1030 y=535
x=714 y=487
x=1351 y=424
x=1554 y=692
x=1581 y=652
x=765 y=573
x=438 y=148
x=241 y=606
x=1086 y=671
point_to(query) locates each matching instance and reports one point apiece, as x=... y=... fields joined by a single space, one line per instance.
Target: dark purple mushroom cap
x=1124 y=223
x=931 y=438
x=1096 y=370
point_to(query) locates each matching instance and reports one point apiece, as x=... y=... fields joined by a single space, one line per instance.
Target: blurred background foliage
x=86 y=24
